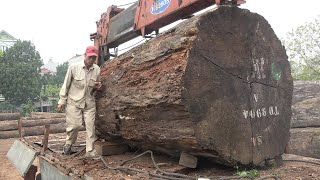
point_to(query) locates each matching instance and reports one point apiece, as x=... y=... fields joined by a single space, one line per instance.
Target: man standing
x=76 y=97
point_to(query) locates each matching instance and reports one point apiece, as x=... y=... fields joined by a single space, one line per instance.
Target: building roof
x=45 y=71
x=75 y=59
x=4 y=36
x=51 y=65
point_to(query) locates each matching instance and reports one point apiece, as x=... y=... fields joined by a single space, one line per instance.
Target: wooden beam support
x=45 y=139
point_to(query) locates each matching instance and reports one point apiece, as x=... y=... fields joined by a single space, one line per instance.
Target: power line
x=126 y=4
x=131 y=46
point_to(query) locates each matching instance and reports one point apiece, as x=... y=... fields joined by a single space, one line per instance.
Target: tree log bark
x=44 y=115
x=217 y=85
x=13 y=124
x=305 y=142
x=35 y=131
x=305 y=124
x=9 y=116
x=306 y=104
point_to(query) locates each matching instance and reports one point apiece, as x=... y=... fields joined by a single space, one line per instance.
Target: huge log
x=217 y=85
x=35 y=131
x=13 y=124
x=306 y=104
x=305 y=142
x=9 y=116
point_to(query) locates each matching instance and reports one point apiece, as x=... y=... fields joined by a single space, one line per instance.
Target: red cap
x=92 y=51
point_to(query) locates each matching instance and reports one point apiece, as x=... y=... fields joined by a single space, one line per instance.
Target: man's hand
x=97 y=85
x=60 y=107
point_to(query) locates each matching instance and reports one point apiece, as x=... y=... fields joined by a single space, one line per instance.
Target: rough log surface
x=305 y=132
x=13 y=124
x=9 y=116
x=218 y=85
x=305 y=142
x=35 y=131
x=43 y=115
x=306 y=104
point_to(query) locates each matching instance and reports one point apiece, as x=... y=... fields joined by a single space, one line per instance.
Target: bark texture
x=306 y=104
x=35 y=131
x=305 y=142
x=9 y=116
x=13 y=124
x=44 y=115
x=305 y=124
x=217 y=85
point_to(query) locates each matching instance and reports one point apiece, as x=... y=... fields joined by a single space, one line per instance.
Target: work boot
x=67 y=149
x=92 y=154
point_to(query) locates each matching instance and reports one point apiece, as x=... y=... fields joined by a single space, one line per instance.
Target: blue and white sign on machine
x=159 y=6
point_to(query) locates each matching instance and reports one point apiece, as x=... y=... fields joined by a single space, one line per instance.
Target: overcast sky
x=60 y=28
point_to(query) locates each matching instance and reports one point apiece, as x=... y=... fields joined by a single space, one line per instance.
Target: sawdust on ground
x=95 y=168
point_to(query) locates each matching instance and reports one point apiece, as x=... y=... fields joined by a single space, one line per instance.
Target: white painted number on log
x=256 y=141
x=258 y=70
x=262 y=112
x=255 y=96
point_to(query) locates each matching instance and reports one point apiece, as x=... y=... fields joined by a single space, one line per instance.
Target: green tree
x=303 y=48
x=50 y=91
x=1 y=54
x=61 y=72
x=19 y=78
x=28 y=108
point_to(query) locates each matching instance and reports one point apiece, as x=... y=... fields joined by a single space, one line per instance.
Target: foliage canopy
x=303 y=48
x=19 y=77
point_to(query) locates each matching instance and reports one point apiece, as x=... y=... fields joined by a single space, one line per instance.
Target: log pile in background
x=32 y=126
x=47 y=115
x=217 y=85
x=305 y=124
x=9 y=116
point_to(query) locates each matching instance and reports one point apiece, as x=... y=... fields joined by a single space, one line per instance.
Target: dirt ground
x=98 y=170
x=7 y=170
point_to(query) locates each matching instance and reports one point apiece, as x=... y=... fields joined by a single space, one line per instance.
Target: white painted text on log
x=256 y=140
x=258 y=70
x=262 y=112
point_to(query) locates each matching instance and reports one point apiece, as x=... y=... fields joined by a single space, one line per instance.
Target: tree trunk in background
x=306 y=104
x=35 y=131
x=305 y=124
x=305 y=142
x=9 y=116
x=13 y=124
x=44 y=115
x=218 y=85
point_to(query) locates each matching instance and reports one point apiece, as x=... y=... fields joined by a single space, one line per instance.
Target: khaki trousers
x=74 y=122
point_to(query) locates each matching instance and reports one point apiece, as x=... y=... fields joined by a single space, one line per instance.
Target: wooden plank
x=45 y=139
x=20 y=128
x=108 y=148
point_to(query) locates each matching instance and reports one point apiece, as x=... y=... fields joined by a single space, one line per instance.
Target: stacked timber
x=305 y=124
x=32 y=126
x=47 y=115
x=9 y=116
x=218 y=85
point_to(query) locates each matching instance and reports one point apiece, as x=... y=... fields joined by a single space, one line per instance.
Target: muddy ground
x=98 y=170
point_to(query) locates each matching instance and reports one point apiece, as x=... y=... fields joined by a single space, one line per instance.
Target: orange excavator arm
x=117 y=25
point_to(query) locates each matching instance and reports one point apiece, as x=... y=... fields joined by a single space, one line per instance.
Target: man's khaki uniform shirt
x=77 y=88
